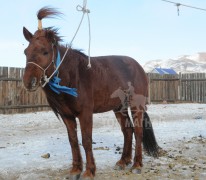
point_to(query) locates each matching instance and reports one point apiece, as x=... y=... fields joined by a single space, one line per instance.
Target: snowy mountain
x=183 y=64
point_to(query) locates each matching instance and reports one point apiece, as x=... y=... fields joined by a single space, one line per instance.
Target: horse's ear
x=28 y=36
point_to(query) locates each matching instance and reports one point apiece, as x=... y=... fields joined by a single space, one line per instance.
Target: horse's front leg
x=77 y=164
x=86 y=123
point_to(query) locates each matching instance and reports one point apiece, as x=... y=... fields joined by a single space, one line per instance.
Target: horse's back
x=111 y=73
x=119 y=70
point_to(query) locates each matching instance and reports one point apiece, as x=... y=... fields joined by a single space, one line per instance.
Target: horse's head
x=41 y=51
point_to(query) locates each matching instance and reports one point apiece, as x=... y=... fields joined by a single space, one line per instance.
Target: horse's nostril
x=33 y=82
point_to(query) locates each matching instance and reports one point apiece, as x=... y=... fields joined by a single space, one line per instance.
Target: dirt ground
x=185 y=160
x=24 y=138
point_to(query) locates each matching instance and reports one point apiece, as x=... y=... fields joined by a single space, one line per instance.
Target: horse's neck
x=72 y=58
x=69 y=68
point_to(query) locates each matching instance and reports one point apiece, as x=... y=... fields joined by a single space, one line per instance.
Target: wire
x=179 y=4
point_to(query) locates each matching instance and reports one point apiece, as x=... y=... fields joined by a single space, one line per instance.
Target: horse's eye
x=45 y=53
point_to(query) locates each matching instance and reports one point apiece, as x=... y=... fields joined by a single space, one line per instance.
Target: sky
x=143 y=29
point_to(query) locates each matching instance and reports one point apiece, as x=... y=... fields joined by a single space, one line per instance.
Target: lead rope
x=85 y=11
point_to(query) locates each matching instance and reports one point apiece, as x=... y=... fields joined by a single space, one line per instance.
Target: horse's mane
x=79 y=51
x=48 y=12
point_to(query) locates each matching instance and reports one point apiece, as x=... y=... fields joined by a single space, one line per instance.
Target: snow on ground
x=24 y=138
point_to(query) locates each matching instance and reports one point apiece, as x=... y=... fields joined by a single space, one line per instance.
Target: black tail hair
x=149 y=142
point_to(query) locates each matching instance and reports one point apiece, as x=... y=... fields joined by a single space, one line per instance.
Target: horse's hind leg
x=137 y=116
x=127 y=129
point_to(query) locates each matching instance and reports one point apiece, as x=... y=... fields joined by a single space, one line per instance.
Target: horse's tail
x=149 y=142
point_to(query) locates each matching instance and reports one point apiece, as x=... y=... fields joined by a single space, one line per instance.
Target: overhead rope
x=179 y=4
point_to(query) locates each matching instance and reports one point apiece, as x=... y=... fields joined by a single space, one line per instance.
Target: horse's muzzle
x=31 y=85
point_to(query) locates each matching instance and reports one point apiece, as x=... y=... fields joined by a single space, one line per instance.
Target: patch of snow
x=184 y=64
x=24 y=138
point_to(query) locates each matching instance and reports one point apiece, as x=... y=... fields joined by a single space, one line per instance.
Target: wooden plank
x=12 y=89
x=200 y=89
x=203 y=89
x=23 y=106
x=18 y=89
x=181 y=88
x=1 y=89
x=10 y=79
x=189 y=76
x=194 y=79
x=5 y=88
x=165 y=79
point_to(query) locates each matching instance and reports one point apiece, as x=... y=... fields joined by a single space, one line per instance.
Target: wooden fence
x=163 y=87
x=14 y=98
x=171 y=88
x=178 y=88
x=193 y=87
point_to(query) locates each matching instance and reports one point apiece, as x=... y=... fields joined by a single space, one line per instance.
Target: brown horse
x=94 y=87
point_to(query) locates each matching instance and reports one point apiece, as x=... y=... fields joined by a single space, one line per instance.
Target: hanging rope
x=178 y=5
x=85 y=11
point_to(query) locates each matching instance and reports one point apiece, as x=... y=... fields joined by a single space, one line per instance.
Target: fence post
x=149 y=97
x=180 y=87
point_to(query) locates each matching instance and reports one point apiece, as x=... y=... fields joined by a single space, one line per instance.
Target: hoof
x=87 y=176
x=74 y=177
x=136 y=171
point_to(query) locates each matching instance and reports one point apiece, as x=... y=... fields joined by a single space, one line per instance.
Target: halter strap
x=36 y=65
x=44 y=70
x=53 y=80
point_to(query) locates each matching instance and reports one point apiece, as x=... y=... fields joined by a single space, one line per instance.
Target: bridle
x=53 y=80
x=44 y=76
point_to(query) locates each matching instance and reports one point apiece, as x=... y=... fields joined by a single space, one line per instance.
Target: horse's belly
x=100 y=107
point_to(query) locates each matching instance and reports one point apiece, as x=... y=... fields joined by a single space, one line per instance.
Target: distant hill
x=183 y=64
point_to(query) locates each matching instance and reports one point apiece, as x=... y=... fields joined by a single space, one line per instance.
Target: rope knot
x=46 y=80
x=83 y=9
